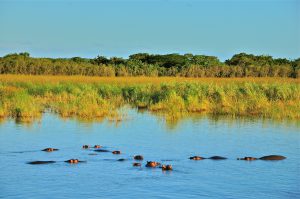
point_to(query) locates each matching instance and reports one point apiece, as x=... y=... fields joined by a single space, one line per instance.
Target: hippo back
x=272 y=157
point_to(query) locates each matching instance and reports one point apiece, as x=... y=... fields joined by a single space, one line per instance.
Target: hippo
x=247 y=158
x=97 y=146
x=49 y=149
x=101 y=150
x=152 y=164
x=197 y=158
x=272 y=157
x=85 y=146
x=167 y=167
x=121 y=159
x=217 y=158
x=41 y=162
x=268 y=157
x=116 y=152
x=73 y=161
x=136 y=164
x=138 y=157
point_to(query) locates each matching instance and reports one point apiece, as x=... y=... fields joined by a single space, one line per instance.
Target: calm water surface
x=104 y=177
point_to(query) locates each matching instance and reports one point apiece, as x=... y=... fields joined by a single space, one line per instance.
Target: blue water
x=142 y=133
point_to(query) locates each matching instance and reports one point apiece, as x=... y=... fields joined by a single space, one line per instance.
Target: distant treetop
x=187 y=65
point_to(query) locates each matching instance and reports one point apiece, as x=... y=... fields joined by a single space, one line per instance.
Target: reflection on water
x=157 y=140
x=228 y=119
x=126 y=114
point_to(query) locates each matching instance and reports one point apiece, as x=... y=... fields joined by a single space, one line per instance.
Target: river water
x=102 y=176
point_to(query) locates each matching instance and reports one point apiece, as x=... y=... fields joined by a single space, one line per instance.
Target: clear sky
x=87 y=28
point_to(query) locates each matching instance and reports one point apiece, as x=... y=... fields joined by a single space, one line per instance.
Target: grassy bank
x=26 y=97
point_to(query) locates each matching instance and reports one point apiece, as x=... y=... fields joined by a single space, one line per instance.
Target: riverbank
x=25 y=97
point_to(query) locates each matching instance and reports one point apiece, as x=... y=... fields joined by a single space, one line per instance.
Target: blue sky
x=87 y=28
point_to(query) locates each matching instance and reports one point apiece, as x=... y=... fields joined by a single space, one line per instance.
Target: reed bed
x=27 y=97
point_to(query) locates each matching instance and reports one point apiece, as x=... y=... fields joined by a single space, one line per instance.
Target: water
x=104 y=177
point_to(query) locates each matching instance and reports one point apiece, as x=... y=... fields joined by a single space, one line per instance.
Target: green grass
x=25 y=101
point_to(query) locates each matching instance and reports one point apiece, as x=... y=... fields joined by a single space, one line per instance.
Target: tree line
x=144 y=64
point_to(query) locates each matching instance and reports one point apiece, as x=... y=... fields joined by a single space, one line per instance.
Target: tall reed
x=269 y=98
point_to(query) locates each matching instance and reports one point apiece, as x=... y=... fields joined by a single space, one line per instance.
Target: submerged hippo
x=73 y=161
x=136 y=164
x=212 y=158
x=196 y=158
x=217 y=158
x=85 y=146
x=167 y=167
x=138 y=157
x=268 y=157
x=97 y=146
x=273 y=157
x=41 y=162
x=116 y=152
x=49 y=149
x=247 y=158
x=101 y=150
x=152 y=164
x=121 y=159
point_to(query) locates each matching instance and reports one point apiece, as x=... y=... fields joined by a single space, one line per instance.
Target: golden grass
x=25 y=97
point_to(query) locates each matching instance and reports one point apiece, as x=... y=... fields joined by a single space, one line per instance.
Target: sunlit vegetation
x=143 y=64
x=25 y=98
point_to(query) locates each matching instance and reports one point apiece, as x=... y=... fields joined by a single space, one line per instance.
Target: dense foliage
x=143 y=64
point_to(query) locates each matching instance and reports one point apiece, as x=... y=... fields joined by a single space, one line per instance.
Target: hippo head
x=196 y=158
x=138 y=157
x=166 y=167
x=72 y=161
x=152 y=164
x=136 y=164
x=49 y=149
x=247 y=158
x=116 y=152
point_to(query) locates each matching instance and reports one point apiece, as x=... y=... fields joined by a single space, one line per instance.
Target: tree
x=100 y=60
